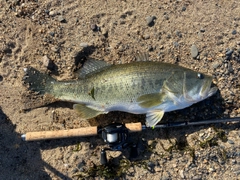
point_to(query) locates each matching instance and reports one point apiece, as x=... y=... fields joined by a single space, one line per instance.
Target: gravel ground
x=57 y=36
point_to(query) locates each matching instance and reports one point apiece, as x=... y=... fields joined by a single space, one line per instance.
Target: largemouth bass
x=141 y=87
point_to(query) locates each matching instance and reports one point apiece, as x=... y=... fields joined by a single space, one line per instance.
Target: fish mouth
x=208 y=89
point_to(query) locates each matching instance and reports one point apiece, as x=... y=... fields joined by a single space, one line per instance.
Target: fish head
x=189 y=86
x=197 y=86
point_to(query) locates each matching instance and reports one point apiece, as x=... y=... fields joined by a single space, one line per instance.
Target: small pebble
x=150 y=48
x=230 y=141
x=230 y=68
x=179 y=34
x=121 y=48
x=84 y=44
x=194 y=51
x=168 y=36
x=61 y=19
x=212 y=170
x=94 y=27
x=146 y=36
x=51 y=33
x=151 y=164
x=81 y=164
x=181 y=173
x=229 y=52
x=201 y=134
x=46 y=11
x=205 y=54
x=166 y=17
x=197 y=177
x=202 y=30
x=1 y=78
x=215 y=65
x=184 y=8
x=157 y=169
x=75 y=170
x=225 y=65
x=104 y=32
x=54 y=49
x=234 y=32
x=48 y=63
x=150 y=20
x=200 y=35
x=219 y=42
x=52 y=13
x=175 y=44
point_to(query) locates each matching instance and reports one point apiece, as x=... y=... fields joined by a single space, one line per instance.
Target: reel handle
x=80 y=132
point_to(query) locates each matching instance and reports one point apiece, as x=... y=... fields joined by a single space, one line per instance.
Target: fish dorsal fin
x=153 y=117
x=151 y=100
x=92 y=66
x=142 y=56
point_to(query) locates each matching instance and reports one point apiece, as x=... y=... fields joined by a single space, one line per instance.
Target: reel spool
x=115 y=135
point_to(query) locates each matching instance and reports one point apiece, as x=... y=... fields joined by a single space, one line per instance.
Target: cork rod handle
x=80 y=132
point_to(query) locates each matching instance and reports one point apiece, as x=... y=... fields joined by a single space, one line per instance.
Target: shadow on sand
x=18 y=159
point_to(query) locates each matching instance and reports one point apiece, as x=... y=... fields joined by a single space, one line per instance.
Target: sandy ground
x=65 y=33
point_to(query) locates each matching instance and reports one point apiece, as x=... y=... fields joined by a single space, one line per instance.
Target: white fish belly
x=130 y=108
x=136 y=109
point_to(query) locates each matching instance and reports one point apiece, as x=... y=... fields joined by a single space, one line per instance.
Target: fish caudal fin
x=86 y=112
x=39 y=86
x=153 y=117
x=37 y=81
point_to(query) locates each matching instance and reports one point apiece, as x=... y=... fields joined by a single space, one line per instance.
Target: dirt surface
x=59 y=35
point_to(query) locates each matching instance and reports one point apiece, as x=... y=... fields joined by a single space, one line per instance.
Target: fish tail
x=40 y=86
x=37 y=81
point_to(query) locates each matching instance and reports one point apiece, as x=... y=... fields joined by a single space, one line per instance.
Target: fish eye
x=200 y=76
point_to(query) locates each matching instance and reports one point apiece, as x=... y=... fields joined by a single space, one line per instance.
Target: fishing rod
x=132 y=127
x=115 y=135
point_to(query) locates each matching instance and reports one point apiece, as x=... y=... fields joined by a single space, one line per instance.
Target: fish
x=140 y=87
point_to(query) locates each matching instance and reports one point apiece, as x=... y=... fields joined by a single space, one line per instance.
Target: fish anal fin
x=151 y=100
x=153 y=117
x=87 y=112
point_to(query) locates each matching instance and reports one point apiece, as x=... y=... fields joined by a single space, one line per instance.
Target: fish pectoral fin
x=87 y=112
x=151 y=100
x=153 y=117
